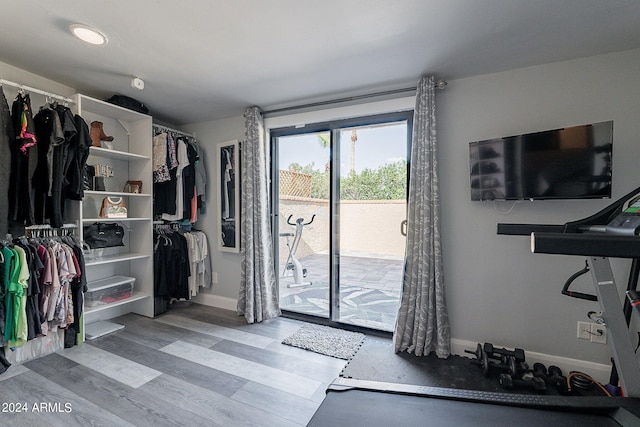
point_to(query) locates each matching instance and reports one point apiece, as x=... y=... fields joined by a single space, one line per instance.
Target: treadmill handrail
x=527 y=229
x=601 y=217
x=587 y=244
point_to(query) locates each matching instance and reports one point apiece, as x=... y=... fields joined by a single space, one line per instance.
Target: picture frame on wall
x=228 y=189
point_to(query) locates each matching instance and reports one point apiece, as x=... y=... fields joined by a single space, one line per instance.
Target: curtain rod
x=34 y=90
x=440 y=84
x=167 y=128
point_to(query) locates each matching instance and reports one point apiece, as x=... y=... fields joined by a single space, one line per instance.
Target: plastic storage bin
x=108 y=290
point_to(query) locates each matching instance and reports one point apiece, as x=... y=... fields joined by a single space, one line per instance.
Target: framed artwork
x=228 y=157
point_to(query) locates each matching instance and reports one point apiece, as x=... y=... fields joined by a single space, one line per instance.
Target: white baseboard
x=216 y=301
x=597 y=371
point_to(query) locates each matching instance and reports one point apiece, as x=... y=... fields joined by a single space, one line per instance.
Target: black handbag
x=128 y=102
x=103 y=235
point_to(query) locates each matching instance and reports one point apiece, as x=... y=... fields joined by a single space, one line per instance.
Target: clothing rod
x=192 y=135
x=48 y=227
x=438 y=85
x=34 y=90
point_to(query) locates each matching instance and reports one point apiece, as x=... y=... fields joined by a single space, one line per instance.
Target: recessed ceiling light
x=88 y=34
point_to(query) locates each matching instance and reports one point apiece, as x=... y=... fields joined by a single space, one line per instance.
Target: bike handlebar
x=300 y=220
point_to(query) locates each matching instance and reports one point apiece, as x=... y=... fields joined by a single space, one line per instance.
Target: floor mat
x=377 y=361
x=325 y=340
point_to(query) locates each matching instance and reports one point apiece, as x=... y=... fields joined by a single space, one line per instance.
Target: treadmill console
x=628 y=221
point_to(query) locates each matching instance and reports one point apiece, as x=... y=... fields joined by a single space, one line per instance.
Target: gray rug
x=326 y=340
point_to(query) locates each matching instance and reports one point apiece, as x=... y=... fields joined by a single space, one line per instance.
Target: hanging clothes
x=63 y=143
x=182 y=264
x=60 y=158
x=177 y=271
x=77 y=156
x=179 y=177
x=183 y=162
x=6 y=140
x=13 y=292
x=201 y=180
x=199 y=261
x=49 y=135
x=160 y=168
x=43 y=288
x=189 y=183
x=20 y=212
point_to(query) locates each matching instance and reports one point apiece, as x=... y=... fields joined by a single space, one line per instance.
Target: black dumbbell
x=509 y=383
x=556 y=378
x=492 y=351
x=481 y=359
x=477 y=353
x=553 y=376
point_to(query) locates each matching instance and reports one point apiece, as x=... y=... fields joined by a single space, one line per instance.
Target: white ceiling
x=203 y=60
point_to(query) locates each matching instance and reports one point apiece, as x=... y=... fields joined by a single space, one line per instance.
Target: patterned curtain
x=258 y=299
x=422 y=325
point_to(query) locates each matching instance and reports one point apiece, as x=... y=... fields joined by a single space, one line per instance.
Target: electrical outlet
x=584 y=330
x=598 y=333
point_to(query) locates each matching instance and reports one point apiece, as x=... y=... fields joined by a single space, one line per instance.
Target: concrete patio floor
x=370 y=288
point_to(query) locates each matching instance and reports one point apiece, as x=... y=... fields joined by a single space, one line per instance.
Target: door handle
x=403 y=228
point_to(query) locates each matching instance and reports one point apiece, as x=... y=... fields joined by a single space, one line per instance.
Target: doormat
x=325 y=340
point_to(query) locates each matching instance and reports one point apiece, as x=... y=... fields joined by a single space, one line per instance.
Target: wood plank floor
x=194 y=366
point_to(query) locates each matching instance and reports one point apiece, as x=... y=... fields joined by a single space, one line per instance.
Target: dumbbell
x=552 y=376
x=481 y=359
x=509 y=383
x=517 y=353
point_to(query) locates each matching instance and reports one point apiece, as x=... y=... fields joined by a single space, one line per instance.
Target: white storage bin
x=108 y=290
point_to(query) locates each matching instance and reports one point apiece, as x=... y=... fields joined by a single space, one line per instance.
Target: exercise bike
x=299 y=273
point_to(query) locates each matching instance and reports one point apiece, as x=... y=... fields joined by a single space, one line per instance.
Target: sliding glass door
x=339 y=203
x=303 y=222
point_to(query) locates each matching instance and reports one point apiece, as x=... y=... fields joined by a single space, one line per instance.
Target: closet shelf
x=115 y=154
x=107 y=109
x=114 y=193
x=136 y=296
x=109 y=259
x=88 y=220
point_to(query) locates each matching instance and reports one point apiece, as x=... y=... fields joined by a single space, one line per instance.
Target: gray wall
x=497 y=290
x=226 y=264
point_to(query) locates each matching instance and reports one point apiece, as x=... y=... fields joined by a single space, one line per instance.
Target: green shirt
x=20 y=301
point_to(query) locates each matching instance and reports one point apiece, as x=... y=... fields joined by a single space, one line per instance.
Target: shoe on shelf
x=97 y=134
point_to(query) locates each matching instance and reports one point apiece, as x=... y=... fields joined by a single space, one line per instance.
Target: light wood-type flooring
x=194 y=366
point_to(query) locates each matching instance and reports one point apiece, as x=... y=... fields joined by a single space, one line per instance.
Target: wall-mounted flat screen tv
x=568 y=163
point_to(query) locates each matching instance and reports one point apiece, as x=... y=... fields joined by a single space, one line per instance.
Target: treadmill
x=612 y=232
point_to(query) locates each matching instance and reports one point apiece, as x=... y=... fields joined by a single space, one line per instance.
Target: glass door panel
x=372 y=206
x=304 y=222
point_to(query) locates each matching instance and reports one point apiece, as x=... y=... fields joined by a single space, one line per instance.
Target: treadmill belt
x=372 y=408
x=351 y=402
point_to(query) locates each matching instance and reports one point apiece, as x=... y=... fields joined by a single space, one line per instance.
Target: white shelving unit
x=131 y=159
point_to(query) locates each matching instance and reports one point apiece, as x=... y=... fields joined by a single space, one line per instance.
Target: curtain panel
x=422 y=325
x=258 y=298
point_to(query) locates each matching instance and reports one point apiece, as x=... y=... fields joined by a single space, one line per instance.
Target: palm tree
x=325 y=140
x=354 y=138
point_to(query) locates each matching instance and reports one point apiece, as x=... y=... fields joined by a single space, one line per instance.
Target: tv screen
x=567 y=163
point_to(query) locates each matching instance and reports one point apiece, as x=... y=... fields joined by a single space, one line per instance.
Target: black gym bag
x=127 y=102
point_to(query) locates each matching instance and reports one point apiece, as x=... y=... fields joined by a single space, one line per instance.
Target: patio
x=370 y=287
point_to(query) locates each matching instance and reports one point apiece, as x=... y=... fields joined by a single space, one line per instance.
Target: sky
x=375 y=147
